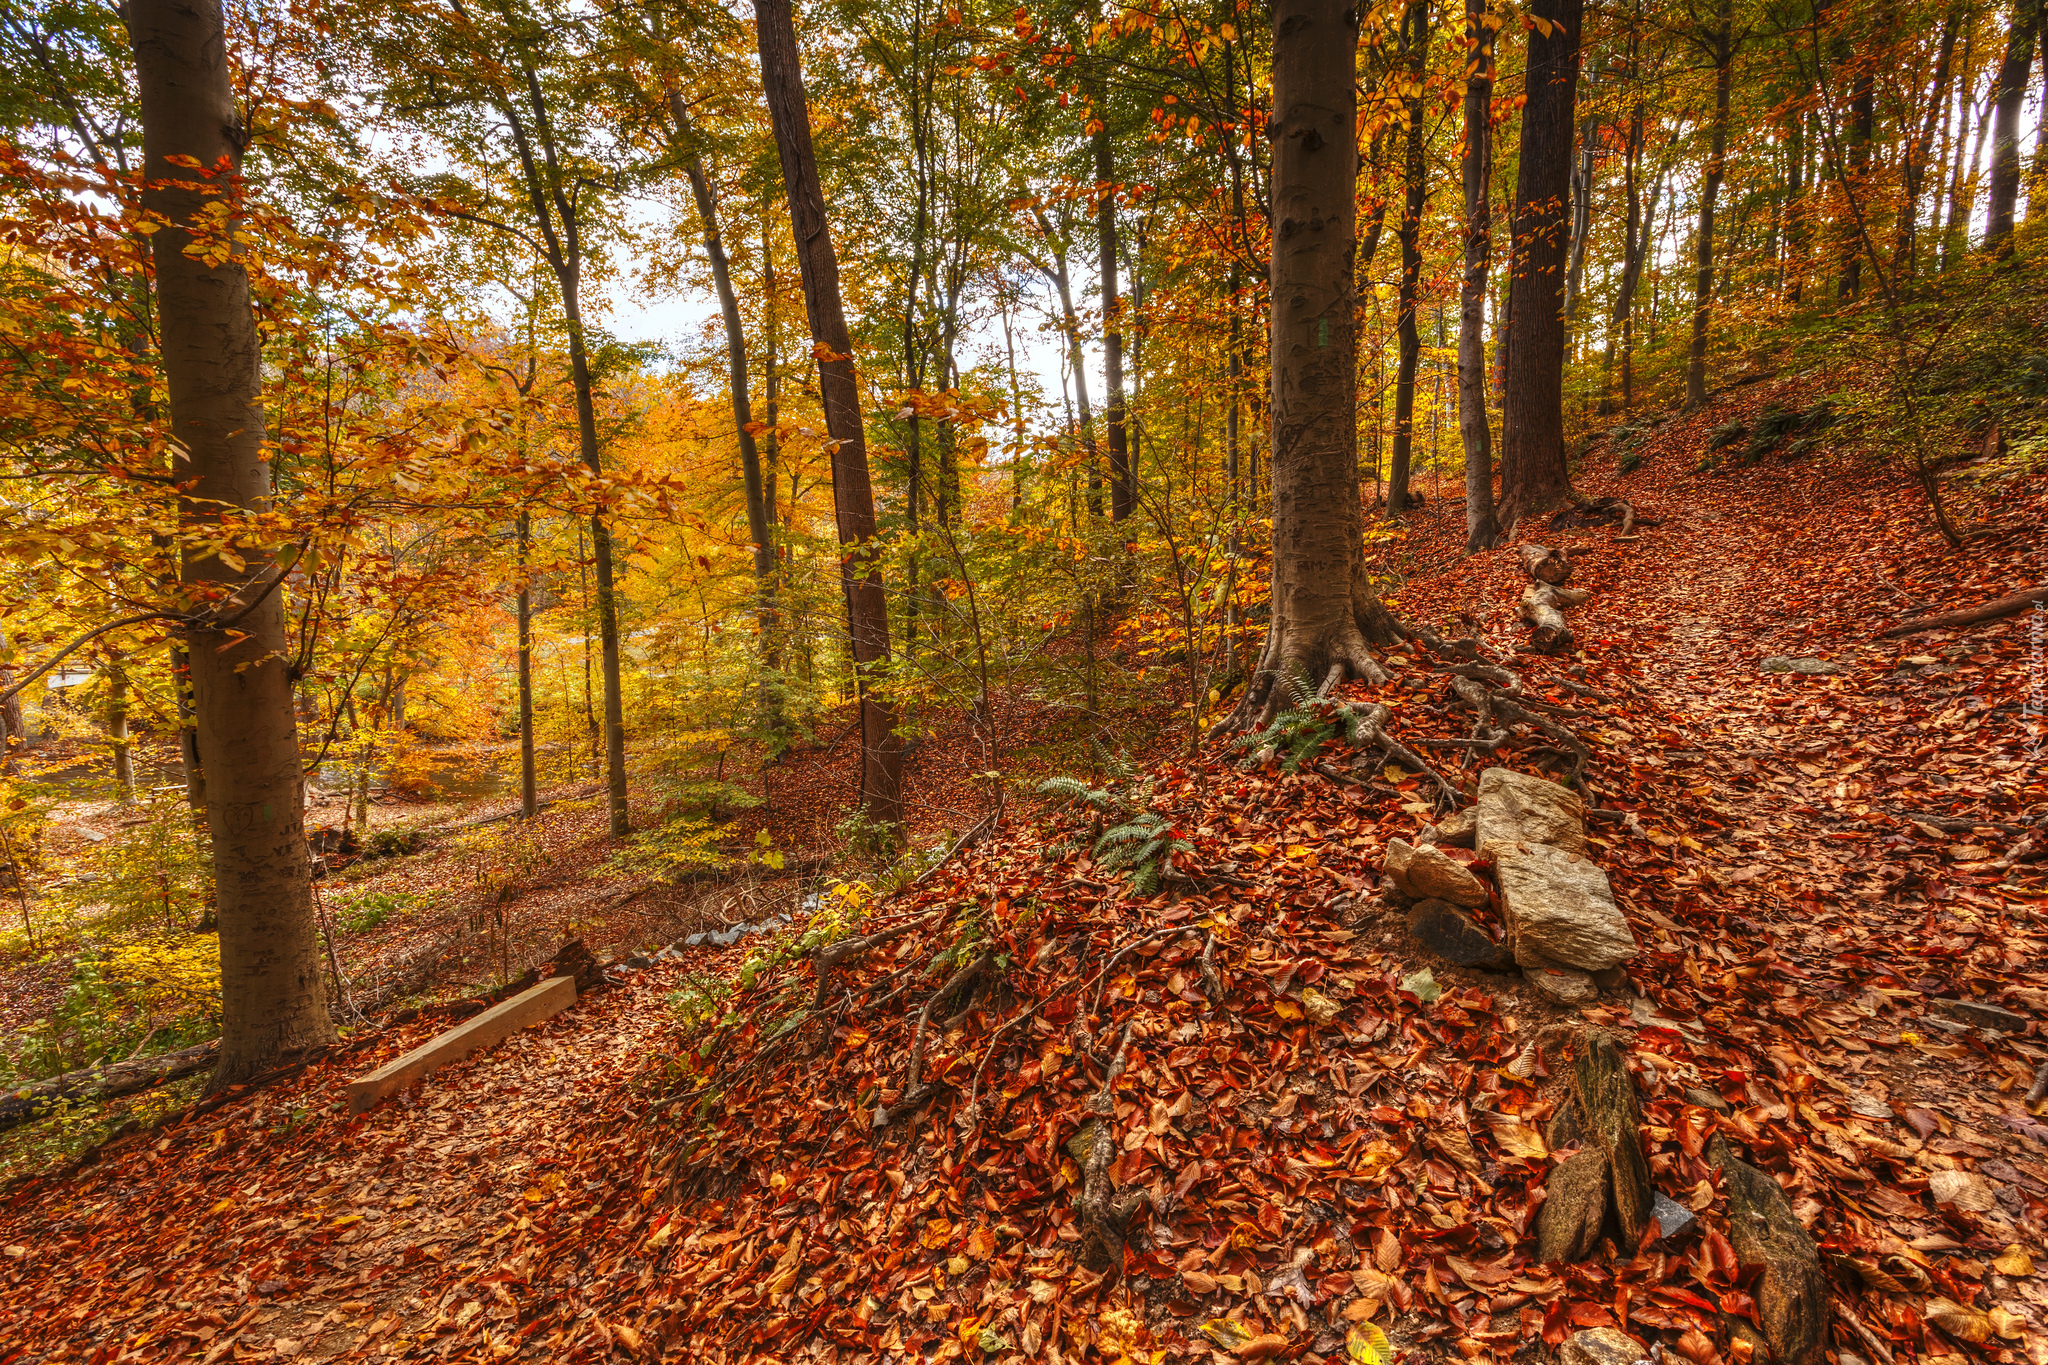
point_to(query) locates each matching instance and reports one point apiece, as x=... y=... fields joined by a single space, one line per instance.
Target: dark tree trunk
x=2005 y=135
x=272 y=999
x=860 y=572
x=1415 y=192
x=1862 y=125
x=529 y=781
x=1918 y=148
x=1324 y=612
x=1123 y=481
x=1723 y=46
x=1482 y=529
x=1534 y=476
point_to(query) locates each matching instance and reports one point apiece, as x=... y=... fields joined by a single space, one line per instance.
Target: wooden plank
x=494 y=1025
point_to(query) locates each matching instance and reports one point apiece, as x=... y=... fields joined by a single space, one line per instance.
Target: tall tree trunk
x=272 y=999
x=1723 y=40
x=549 y=198
x=853 y=499
x=1534 y=476
x=1077 y=358
x=1415 y=191
x=1123 y=481
x=1324 y=614
x=529 y=783
x=1482 y=529
x=1862 y=127
x=117 y=731
x=2011 y=96
x=1582 y=216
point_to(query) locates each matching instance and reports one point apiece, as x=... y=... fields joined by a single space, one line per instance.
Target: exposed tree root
x=915 y=1089
x=1106 y=1216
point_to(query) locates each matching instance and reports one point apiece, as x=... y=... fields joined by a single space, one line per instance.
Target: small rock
x=1614 y=979
x=1561 y=908
x=1574 y=1209
x=1601 y=1346
x=1456 y=830
x=1422 y=985
x=637 y=963
x=1449 y=932
x=1785 y=663
x=1670 y=1216
x=1564 y=985
x=1428 y=874
x=1516 y=807
x=1987 y=1015
x=1706 y=1099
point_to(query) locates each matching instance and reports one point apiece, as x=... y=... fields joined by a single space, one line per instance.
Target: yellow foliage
x=169 y=976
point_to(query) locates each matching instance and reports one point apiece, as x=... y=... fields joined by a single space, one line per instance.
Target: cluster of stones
x=1564 y=931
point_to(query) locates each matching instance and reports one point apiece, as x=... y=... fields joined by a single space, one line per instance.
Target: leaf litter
x=1832 y=877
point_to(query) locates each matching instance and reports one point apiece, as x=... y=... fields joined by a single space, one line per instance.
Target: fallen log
x=1972 y=616
x=29 y=1102
x=1546 y=565
x=1543 y=608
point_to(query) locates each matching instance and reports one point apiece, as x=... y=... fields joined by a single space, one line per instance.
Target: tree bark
x=1919 y=147
x=1324 y=613
x=1415 y=193
x=2011 y=95
x=1971 y=616
x=1862 y=127
x=529 y=784
x=1482 y=529
x=272 y=998
x=1534 y=476
x=1123 y=482
x=853 y=499
x=1723 y=42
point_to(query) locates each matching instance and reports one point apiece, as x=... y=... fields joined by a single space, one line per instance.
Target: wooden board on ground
x=494 y=1025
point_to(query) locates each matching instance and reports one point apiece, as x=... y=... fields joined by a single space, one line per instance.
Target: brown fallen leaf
x=1262 y=1347
x=1965 y=1190
x=1198 y=1282
x=1960 y=1322
x=2014 y=1263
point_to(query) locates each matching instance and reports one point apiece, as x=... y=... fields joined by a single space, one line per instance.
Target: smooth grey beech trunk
x=1324 y=612
x=853 y=498
x=272 y=1000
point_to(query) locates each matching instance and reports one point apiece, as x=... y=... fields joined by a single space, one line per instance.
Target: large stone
x=1449 y=932
x=1601 y=1346
x=1430 y=874
x=1515 y=807
x=1456 y=830
x=1792 y=1296
x=1560 y=908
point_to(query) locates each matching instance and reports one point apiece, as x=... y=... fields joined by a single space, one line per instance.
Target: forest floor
x=1822 y=871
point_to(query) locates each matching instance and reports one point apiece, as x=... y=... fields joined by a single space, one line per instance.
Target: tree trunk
x=1323 y=610
x=272 y=998
x=1123 y=482
x=1862 y=126
x=2011 y=95
x=529 y=786
x=860 y=572
x=1534 y=476
x=1919 y=147
x=1710 y=191
x=1077 y=358
x=1482 y=530
x=1415 y=191
x=1581 y=216
x=117 y=732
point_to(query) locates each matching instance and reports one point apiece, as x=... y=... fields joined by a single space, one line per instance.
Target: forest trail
x=508 y=1206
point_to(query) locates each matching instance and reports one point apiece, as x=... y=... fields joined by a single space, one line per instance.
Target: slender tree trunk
x=272 y=999
x=2010 y=96
x=1582 y=216
x=1920 y=147
x=117 y=731
x=1862 y=126
x=1534 y=476
x=1077 y=358
x=860 y=571
x=1324 y=613
x=1123 y=481
x=529 y=785
x=1710 y=192
x=1482 y=529
x=1415 y=41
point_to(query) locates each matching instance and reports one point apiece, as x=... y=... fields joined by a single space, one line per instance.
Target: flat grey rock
x=1601 y=1346
x=1986 y=1015
x=1428 y=873
x=1785 y=663
x=1456 y=830
x=1518 y=808
x=1561 y=984
x=1560 y=908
